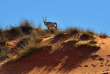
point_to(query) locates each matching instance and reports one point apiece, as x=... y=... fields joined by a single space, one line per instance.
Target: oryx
x=50 y=24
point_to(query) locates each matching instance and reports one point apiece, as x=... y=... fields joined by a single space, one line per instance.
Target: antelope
x=50 y=24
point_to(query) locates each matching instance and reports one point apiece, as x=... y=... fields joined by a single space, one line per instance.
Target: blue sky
x=87 y=14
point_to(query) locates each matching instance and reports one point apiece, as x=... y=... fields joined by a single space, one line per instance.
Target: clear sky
x=92 y=14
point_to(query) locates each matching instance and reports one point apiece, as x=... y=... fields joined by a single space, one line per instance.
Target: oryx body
x=50 y=24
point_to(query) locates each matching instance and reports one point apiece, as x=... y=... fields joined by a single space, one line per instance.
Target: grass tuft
x=89 y=45
x=52 y=30
x=89 y=32
x=25 y=27
x=86 y=36
x=72 y=30
x=93 y=41
x=59 y=34
x=25 y=41
x=103 y=35
x=4 y=51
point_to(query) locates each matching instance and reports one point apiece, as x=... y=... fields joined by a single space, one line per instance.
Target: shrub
x=1 y=31
x=31 y=48
x=59 y=34
x=38 y=39
x=87 y=45
x=52 y=30
x=89 y=32
x=72 y=30
x=16 y=31
x=26 y=27
x=4 y=51
x=24 y=40
x=86 y=36
x=93 y=41
x=3 y=39
x=36 y=36
x=103 y=35
x=3 y=43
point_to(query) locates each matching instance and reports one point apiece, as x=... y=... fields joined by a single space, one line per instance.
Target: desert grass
x=29 y=49
x=30 y=39
x=86 y=36
x=103 y=35
x=91 y=32
x=93 y=41
x=89 y=45
x=4 y=52
x=24 y=27
x=30 y=44
x=59 y=34
x=72 y=30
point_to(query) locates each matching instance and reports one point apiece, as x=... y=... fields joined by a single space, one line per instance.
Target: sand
x=62 y=60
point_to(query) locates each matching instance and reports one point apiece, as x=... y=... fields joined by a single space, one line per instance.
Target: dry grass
x=93 y=41
x=51 y=31
x=59 y=34
x=4 y=52
x=89 y=45
x=104 y=35
x=91 y=32
x=24 y=27
x=86 y=36
x=24 y=40
x=30 y=44
x=72 y=31
x=29 y=49
x=30 y=39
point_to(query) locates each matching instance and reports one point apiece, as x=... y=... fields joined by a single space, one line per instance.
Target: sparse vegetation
x=3 y=38
x=1 y=31
x=25 y=27
x=89 y=32
x=51 y=30
x=24 y=40
x=30 y=39
x=87 y=45
x=93 y=41
x=16 y=31
x=86 y=36
x=104 y=35
x=72 y=31
x=59 y=34
x=30 y=48
x=4 y=52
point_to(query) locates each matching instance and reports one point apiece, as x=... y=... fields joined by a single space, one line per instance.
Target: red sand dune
x=63 y=59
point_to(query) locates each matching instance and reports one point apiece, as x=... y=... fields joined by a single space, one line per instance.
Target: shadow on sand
x=43 y=58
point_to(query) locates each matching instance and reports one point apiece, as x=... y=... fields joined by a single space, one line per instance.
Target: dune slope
x=62 y=58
